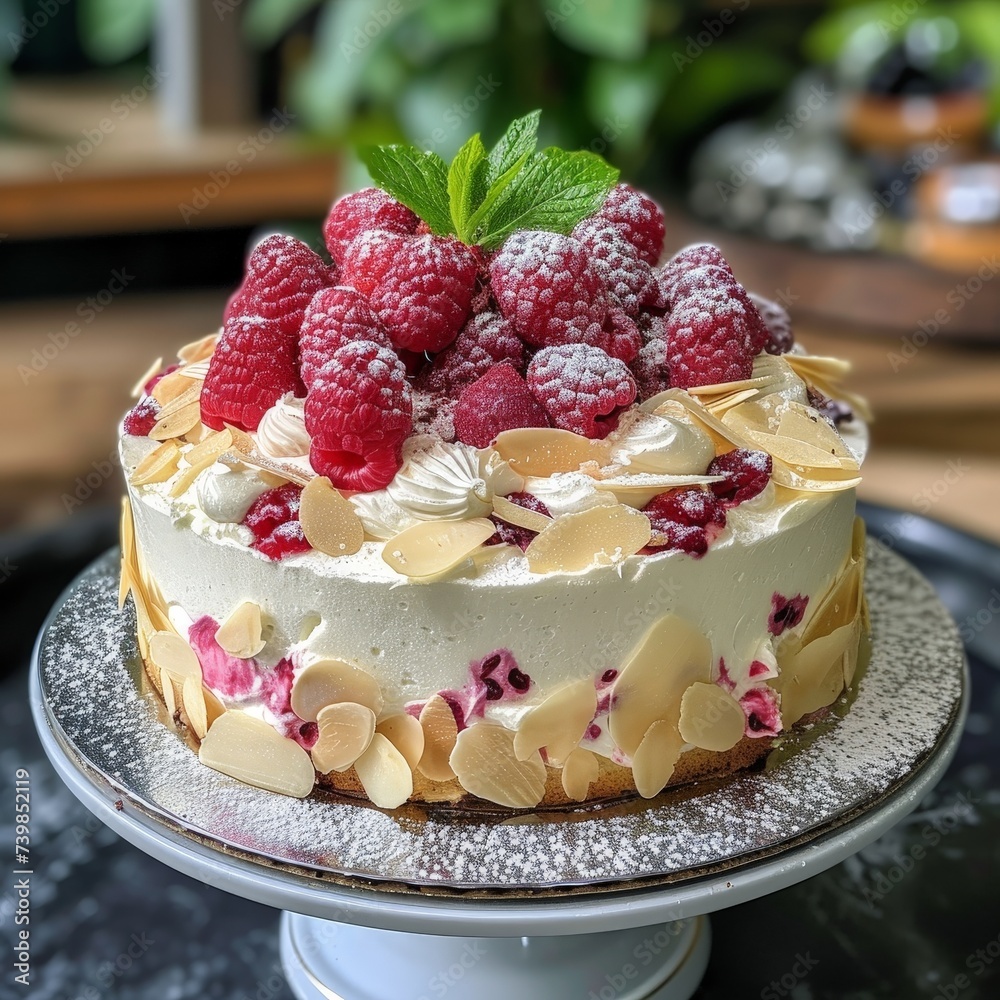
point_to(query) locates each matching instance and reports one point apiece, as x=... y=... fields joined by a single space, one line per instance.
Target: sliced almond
x=384 y=774
x=127 y=536
x=440 y=729
x=168 y=688
x=514 y=513
x=826 y=375
x=199 y=350
x=242 y=442
x=558 y=723
x=599 y=536
x=199 y=458
x=579 y=772
x=655 y=758
x=249 y=750
x=176 y=423
x=327 y=682
x=406 y=734
x=484 y=763
x=542 y=451
x=172 y=654
x=280 y=472
x=241 y=634
x=430 y=548
x=140 y=387
x=812 y=674
x=201 y=705
x=211 y=447
x=345 y=732
x=158 y=466
x=329 y=521
x=711 y=718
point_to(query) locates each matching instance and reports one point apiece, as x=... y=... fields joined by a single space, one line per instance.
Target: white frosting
x=648 y=442
x=224 y=494
x=567 y=492
x=282 y=430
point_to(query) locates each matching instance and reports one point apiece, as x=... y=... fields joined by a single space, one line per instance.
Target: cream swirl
x=282 y=431
x=649 y=442
x=568 y=492
x=381 y=516
x=225 y=494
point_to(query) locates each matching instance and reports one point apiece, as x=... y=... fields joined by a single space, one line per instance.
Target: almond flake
x=172 y=654
x=655 y=758
x=484 y=763
x=179 y=421
x=140 y=387
x=384 y=774
x=826 y=375
x=558 y=723
x=158 y=466
x=406 y=734
x=284 y=472
x=598 y=536
x=201 y=705
x=199 y=350
x=711 y=718
x=127 y=536
x=241 y=633
x=250 y=751
x=430 y=548
x=175 y=390
x=345 y=733
x=579 y=772
x=437 y=721
x=812 y=674
x=168 y=688
x=211 y=447
x=242 y=442
x=514 y=513
x=327 y=682
x=542 y=451
x=329 y=521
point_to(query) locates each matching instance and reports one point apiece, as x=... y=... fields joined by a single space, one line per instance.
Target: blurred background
x=843 y=155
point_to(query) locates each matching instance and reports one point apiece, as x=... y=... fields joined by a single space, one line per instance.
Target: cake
x=496 y=506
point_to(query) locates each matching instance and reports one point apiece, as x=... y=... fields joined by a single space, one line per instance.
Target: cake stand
x=417 y=903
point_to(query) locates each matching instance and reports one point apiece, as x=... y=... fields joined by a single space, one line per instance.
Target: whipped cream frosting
x=225 y=494
x=648 y=442
x=282 y=431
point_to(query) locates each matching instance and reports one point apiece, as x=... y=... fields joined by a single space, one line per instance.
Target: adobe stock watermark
x=954 y=471
x=246 y=152
x=90 y=482
x=365 y=34
x=109 y=972
x=977 y=962
x=898 y=16
x=644 y=954
x=29 y=27
x=472 y=953
x=712 y=28
x=461 y=111
x=788 y=981
x=7 y=569
x=88 y=310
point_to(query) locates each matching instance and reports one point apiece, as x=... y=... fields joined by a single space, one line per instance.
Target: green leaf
x=496 y=189
x=520 y=138
x=419 y=180
x=466 y=184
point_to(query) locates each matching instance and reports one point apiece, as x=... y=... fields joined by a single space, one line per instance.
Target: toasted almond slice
x=429 y=548
x=201 y=705
x=177 y=422
x=272 y=480
x=819 y=480
x=440 y=729
x=249 y=750
x=806 y=424
x=329 y=521
x=345 y=733
x=199 y=350
x=812 y=674
x=242 y=442
x=211 y=447
x=284 y=472
x=720 y=404
x=140 y=386
x=514 y=513
x=172 y=654
x=542 y=451
x=670 y=657
x=599 y=536
x=826 y=375
x=655 y=758
x=406 y=734
x=241 y=634
x=168 y=688
x=127 y=536
x=158 y=466
x=175 y=389
x=711 y=718
x=558 y=723
x=384 y=774
x=327 y=682
x=579 y=772
x=484 y=763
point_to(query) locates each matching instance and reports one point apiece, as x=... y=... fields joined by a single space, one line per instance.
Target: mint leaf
x=520 y=138
x=466 y=184
x=496 y=189
x=554 y=190
x=419 y=180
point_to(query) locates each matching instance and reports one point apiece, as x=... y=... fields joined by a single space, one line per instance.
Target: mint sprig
x=484 y=197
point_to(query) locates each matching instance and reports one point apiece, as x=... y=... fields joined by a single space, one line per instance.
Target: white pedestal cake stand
x=603 y=903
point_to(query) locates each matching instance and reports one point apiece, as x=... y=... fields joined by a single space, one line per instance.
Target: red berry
x=140 y=419
x=622 y=339
x=151 y=383
x=695 y=256
x=786 y=612
x=420 y=287
x=686 y=520
x=581 y=387
x=334 y=317
x=550 y=289
x=747 y=473
x=359 y=411
x=638 y=218
x=628 y=277
x=706 y=278
x=274 y=520
x=485 y=340
x=513 y=534
x=779 y=325
x=498 y=401
x=651 y=370
x=370 y=208
x=253 y=366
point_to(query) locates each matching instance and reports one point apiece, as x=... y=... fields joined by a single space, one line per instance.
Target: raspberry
x=359 y=411
x=498 y=401
x=140 y=419
x=651 y=370
x=334 y=317
x=695 y=256
x=628 y=277
x=778 y=322
x=513 y=534
x=581 y=387
x=370 y=208
x=786 y=612
x=701 y=279
x=687 y=520
x=747 y=473
x=485 y=340
x=420 y=287
x=253 y=366
x=621 y=337
x=550 y=289
x=274 y=520
x=151 y=383
x=638 y=218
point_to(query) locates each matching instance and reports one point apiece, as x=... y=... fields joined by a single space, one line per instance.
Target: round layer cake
x=517 y=516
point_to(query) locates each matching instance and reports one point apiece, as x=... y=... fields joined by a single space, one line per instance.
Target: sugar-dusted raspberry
x=548 y=286
x=274 y=520
x=335 y=316
x=514 y=534
x=651 y=370
x=359 y=411
x=629 y=279
x=581 y=387
x=140 y=420
x=369 y=208
x=778 y=322
x=638 y=218
x=688 y=520
x=747 y=473
x=706 y=278
x=708 y=340
x=786 y=612
x=695 y=256
x=621 y=337
x=420 y=287
x=498 y=401
x=255 y=363
x=485 y=340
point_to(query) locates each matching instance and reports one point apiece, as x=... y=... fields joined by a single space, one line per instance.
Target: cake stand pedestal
x=351 y=934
